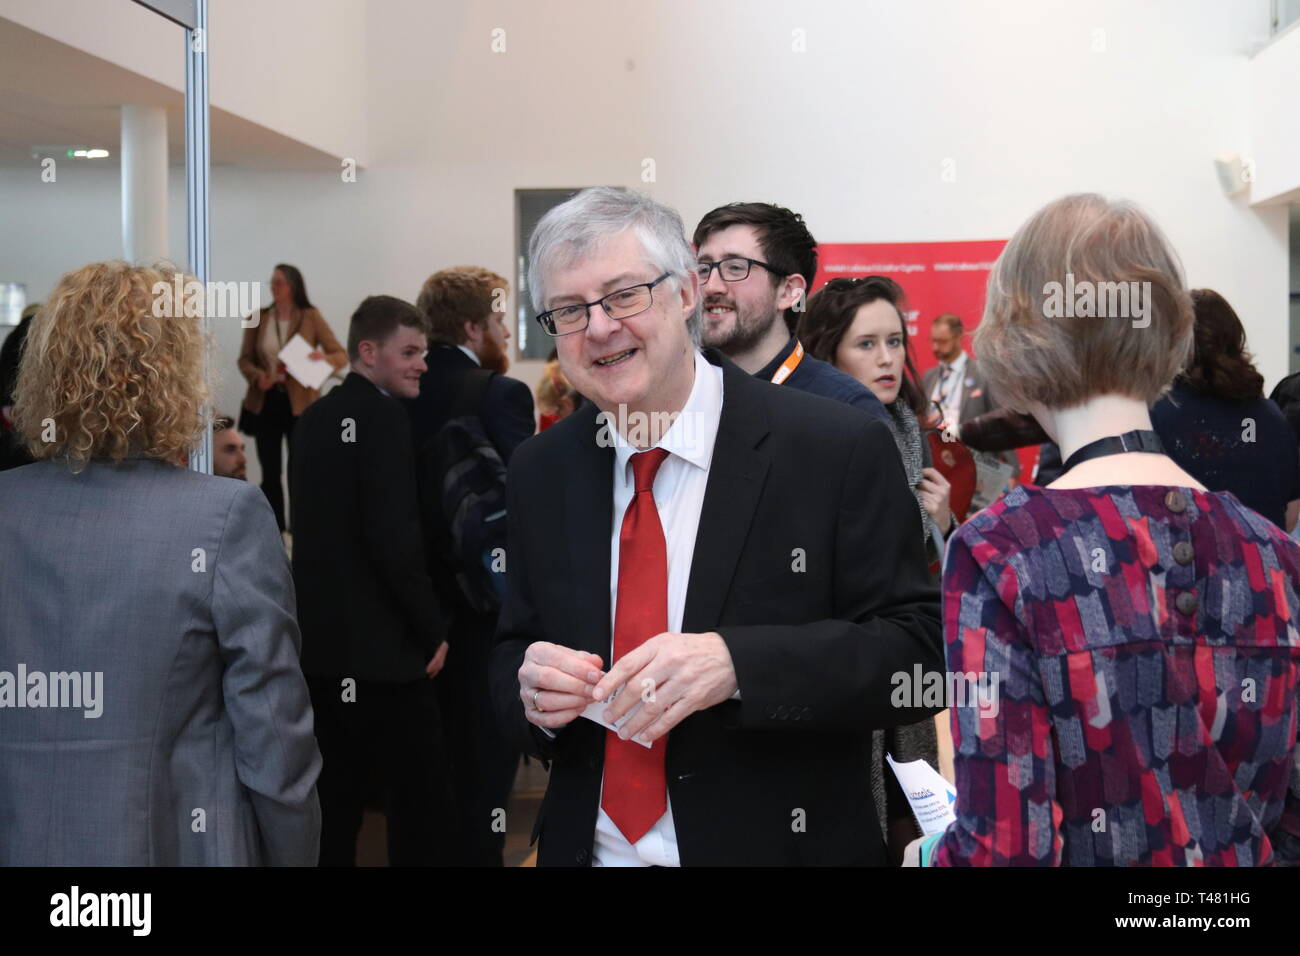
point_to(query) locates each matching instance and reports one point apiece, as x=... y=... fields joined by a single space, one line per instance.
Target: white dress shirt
x=679 y=497
x=953 y=384
x=471 y=353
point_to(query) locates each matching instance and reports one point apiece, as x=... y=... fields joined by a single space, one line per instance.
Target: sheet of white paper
x=596 y=709
x=991 y=475
x=310 y=372
x=931 y=796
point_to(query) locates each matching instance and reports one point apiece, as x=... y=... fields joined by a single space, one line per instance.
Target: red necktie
x=636 y=791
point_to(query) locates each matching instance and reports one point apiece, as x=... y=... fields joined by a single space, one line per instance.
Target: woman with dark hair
x=1136 y=631
x=857 y=325
x=275 y=398
x=1218 y=426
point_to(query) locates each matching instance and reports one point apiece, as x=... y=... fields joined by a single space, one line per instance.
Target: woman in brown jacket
x=275 y=398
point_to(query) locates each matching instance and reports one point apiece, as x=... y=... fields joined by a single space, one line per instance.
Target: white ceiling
x=52 y=94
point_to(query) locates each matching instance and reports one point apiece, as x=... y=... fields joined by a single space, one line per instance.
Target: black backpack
x=467 y=498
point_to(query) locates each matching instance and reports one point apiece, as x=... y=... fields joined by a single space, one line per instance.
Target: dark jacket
x=822 y=378
x=813 y=651
x=365 y=601
x=507 y=417
x=1243 y=447
x=507 y=413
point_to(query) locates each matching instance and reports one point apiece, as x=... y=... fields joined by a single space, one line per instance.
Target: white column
x=144 y=184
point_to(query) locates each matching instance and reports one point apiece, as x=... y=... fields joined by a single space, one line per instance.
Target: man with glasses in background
x=756 y=267
x=713 y=577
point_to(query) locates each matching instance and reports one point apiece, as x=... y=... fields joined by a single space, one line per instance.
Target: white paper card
x=991 y=475
x=308 y=371
x=931 y=796
x=596 y=710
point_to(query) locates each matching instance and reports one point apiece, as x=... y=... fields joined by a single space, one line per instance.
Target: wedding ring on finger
x=536 y=707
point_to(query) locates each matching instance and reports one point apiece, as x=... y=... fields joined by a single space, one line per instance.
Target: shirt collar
x=768 y=370
x=692 y=435
x=470 y=352
x=362 y=378
x=958 y=364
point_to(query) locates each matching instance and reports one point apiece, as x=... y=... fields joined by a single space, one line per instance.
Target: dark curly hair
x=1221 y=366
x=830 y=313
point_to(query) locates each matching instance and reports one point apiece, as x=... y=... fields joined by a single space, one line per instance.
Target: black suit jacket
x=507 y=413
x=507 y=417
x=366 y=604
x=782 y=776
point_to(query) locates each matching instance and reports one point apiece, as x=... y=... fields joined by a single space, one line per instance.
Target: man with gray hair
x=702 y=557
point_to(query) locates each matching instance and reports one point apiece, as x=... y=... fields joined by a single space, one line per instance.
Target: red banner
x=938 y=277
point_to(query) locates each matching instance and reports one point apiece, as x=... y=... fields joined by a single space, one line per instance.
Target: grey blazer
x=175 y=587
x=975 y=397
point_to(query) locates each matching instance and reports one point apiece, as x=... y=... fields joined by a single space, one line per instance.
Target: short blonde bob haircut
x=102 y=376
x=1030 y=352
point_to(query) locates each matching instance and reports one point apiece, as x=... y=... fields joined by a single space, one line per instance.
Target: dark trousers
x=274 y=426
x=389 y=739
x=483 y=762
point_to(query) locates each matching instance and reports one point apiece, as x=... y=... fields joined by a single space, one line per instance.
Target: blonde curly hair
x=112 y=377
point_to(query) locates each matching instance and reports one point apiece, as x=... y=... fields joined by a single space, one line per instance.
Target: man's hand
x=671 y=676
x=439 y=658
x=556 y=683
x=265 y=381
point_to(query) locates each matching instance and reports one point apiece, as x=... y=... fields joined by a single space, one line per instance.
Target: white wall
x=1275 y=117
x=854 y=133
x=1294 y=286
x=1028 y=99
x=294 y=66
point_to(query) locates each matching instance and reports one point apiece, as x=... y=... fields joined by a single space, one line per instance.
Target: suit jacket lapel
x=587 y=525
x=737 y=473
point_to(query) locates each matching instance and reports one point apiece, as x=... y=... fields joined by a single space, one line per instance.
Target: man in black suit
x=466 y=309
x=371 y=624
x=776 y=582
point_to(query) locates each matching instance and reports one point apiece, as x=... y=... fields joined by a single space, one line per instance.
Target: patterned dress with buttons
x=1146 y=649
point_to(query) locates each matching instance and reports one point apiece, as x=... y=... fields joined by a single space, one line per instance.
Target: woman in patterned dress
x=1139 y=631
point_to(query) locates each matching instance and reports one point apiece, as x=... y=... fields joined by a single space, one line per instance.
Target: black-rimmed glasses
x=620 y=304
x=732 y=269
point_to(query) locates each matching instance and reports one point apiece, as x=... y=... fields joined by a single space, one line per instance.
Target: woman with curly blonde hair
x=149 y=651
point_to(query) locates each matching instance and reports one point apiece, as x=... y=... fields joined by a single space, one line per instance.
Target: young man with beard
x=756 y=267
x=466 y=311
